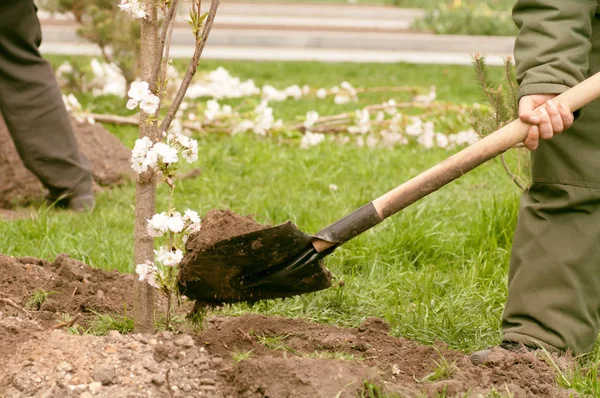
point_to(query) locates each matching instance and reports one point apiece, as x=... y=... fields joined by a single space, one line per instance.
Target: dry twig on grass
x=69 y=323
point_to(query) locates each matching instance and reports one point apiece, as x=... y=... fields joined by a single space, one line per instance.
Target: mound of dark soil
x=219 y=225
x=110 y=161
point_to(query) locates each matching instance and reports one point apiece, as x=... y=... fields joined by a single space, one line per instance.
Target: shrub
x=467 y=18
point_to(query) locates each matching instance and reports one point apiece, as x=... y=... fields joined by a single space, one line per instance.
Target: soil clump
x=219 y=225
x=111 y=164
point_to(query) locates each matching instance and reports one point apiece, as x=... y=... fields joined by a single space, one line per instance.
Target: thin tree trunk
x=145 y=195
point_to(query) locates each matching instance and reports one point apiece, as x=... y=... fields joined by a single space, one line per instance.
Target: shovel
x=282 y=261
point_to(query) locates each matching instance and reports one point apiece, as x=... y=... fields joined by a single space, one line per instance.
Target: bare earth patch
x=247 y=356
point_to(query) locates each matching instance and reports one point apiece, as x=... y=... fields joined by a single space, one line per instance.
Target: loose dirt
x=219 y=225
x=247 y=356
x=19 y=186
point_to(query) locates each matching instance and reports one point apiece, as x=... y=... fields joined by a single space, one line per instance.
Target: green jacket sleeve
x=553 y=44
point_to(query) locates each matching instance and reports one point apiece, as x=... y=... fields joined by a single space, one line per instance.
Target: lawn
x=435 y=271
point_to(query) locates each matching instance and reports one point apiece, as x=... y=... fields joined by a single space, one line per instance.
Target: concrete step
x=317 y=39
x=292 y=17
x=295 y=54
x=332 y=11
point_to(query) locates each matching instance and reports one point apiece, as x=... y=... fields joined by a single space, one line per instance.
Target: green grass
x=435 y=271
x=38 y=298
x=504 y=5
x=240 y=356
x=443 y=370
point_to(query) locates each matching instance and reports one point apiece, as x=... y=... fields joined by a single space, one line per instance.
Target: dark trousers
x=554 y=280
x=32 y=106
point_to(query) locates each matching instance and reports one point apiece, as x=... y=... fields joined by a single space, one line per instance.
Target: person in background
x=554 y=278
x=32 y=106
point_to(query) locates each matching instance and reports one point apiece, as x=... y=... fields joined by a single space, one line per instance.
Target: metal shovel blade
x=275 y=262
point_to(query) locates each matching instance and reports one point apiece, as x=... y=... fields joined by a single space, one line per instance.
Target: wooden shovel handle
x=476 y=154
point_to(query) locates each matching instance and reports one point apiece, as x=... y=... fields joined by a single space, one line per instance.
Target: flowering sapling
x=163 y=157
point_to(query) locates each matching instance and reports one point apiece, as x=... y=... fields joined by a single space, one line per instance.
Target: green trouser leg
x=554 y=279
x=32 y=106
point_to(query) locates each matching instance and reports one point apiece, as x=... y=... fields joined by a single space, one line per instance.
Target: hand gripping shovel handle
x=444 y=172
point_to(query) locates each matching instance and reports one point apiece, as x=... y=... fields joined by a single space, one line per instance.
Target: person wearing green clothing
x=554 y=278
x=32 y=106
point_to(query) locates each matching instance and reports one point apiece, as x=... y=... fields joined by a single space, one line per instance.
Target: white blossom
x=168 y=258
x=158 y=225
x=321 y=93
x=215 y=111
x=135 y=8
x=270 y=93
x=341 y=99
x=108 y=79
x=427 y=98
x=372 y=141
x=65 y=67
x=243 y=126
x=165 y=153
x=139 y=94
x=137 y=90
x=212 y=110
x=390 y=107
x=220 y=84
x=362 y=122
x=175 y=223
x=415 y=128
x=468 y=137
x=139 y=155
x=132 y=104
x=333 y=187
x=149 y=103
x=190 y=154
x=264 y=119
x=311 y=118
x=427 y=138
x=392 y=138
x=441 y=140
x=311 y=139
x=294 y=91
x=147 y=272
x=192 y=216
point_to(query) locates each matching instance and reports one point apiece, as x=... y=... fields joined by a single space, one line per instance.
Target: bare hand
x=552 y=119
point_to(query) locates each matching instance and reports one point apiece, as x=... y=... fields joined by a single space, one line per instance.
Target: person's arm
x=553 y=44
x=551 y=54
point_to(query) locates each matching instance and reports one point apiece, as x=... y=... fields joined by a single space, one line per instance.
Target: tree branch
x=164 y=41
x=134 y=120
x=191 y=71
x=510 y=174
x=413 y=90
x=378 y=107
